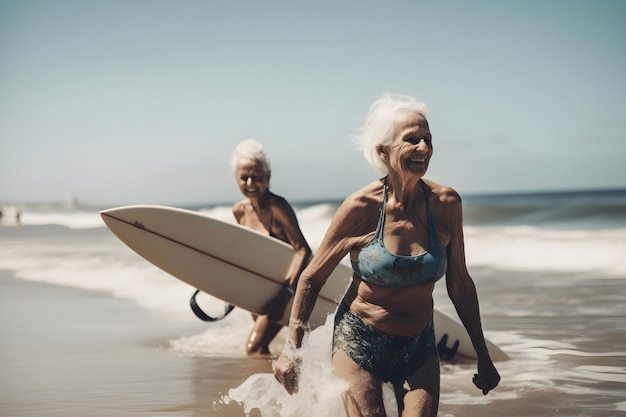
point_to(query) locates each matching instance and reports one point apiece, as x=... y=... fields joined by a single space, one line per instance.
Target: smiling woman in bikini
x=268 y=213
x=403 y=234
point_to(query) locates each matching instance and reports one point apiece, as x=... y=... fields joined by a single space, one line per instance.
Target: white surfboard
x=238 y=265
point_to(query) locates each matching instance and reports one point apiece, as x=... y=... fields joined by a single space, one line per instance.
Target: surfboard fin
x=446 y=353
x=202 y=315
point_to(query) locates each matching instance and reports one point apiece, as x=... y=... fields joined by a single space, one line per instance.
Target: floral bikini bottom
x=388 y=357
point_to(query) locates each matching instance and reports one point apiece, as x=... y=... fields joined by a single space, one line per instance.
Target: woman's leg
x=262 y=333
x=418 y=396
x=364 y=397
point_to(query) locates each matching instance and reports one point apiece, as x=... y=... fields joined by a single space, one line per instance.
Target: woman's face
x=411 y=149
x=252 y=180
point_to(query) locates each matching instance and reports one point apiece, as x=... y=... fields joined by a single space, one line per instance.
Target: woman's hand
x=287 y=369
x=487 y=377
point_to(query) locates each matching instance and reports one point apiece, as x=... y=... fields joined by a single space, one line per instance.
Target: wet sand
x=68 y=352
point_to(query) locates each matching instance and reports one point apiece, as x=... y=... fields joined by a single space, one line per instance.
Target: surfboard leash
x=202 y=315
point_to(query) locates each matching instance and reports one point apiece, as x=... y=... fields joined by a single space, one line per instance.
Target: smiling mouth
x=417 y=160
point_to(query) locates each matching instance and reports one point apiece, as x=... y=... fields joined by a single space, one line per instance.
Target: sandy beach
x=69 y=352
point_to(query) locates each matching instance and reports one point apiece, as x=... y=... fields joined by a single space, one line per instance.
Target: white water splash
x=320 y=391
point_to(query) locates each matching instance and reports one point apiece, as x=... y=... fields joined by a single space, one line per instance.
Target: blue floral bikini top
x=376 y=265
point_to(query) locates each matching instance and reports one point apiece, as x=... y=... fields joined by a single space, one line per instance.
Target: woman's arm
x=462 y=292
x=286 y=216
x=337 y=243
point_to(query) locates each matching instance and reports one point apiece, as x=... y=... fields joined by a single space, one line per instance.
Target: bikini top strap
x=429 y=216
x=381 y=219
x=271 y=223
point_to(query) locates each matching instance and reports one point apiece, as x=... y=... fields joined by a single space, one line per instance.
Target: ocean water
x=550 y=271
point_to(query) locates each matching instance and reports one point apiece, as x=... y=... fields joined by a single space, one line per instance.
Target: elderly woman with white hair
x=271 y=214
x=403 y=233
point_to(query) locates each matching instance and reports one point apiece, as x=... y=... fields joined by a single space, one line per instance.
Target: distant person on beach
x=403 y=233
x=271 y=214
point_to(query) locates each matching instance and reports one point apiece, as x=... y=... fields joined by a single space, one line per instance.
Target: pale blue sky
x=142 y=101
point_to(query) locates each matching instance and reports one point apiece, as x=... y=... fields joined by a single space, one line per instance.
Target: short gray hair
x=250 y=149
x=380 y=125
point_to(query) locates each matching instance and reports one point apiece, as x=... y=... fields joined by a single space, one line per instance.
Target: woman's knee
x=418 y=395
x=363 y=397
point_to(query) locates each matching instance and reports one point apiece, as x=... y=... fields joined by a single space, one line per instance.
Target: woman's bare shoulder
x=354 y=221
x=362 y=199
x=358 y=214
x=239 y=206
x=279 y=202
x=445 y=194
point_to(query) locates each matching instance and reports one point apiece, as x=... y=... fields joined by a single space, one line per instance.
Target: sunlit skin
x=402 y=311
x=268 y=213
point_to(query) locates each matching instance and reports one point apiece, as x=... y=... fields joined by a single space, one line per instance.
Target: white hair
x=380 y=125
x=252 y=150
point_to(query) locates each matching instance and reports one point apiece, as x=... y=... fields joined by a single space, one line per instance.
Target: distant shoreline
x=79 y=205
